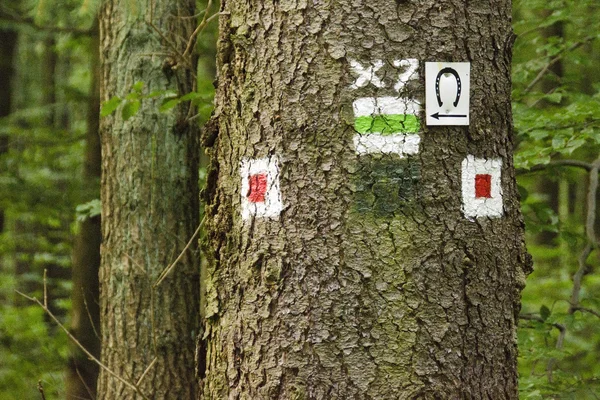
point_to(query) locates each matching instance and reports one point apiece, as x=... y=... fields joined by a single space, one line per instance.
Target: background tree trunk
x=371 y=283
x=82 y=374
x=8 y=42
x=149 y=204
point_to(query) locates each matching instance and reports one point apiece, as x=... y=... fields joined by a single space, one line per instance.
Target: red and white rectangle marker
x=481 y=187
x=261 y=195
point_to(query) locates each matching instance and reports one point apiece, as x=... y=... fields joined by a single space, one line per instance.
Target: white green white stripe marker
x=386 y=125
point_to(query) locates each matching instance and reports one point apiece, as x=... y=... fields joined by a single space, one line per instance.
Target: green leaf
x=545 y=312
x=87 y=210
x=130 y=109
x=554 y=98
x=169 y=103
x=523 y=192
x=138 y=86
x=110 y=106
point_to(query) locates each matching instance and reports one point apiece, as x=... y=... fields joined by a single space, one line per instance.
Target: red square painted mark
x=257 y=188
x=483 y=186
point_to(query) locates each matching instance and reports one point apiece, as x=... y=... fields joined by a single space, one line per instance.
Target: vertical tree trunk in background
x=33 y=236
x=149 y=205
x=8 y=42
x=82 y=372
x=371 y=283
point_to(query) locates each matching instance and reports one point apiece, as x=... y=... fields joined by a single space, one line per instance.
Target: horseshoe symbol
x=452 y=71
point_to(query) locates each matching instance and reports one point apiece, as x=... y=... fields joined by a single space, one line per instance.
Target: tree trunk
x=8 y=42
x=149 y=205
x=82 y=374
x=365 y=277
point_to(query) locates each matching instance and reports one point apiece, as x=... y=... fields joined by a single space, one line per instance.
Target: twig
x=171 y=44
x=559 y=342
x=556 y=59
x=87 y=353
x=199 y=13
x=89 y=314
x=193 y=117
x=558 y=163
x=587 y=310
x=8 y=16
x=192 y=39
x=40 y=388
x=587 y=123
x=87 y=388
x=146 y=371
x=559 y=346
x=45 y=289
x=167 y=270
x=590 y=233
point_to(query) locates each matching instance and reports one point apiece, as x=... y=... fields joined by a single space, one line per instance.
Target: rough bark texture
x=371 y=284
x=82 y=373
x=149 y=205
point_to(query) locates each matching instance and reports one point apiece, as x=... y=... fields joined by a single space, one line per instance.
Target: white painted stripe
x=482 y=207
x=370 y=106
x=392 y=144
x=273 y=204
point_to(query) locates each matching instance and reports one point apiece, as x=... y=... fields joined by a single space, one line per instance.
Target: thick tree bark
x=82 y=374
x=149 y=205
x=371 y=283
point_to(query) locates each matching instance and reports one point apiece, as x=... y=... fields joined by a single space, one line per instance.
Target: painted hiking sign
x=386 y=124
x=260 y=191
x=481 y=187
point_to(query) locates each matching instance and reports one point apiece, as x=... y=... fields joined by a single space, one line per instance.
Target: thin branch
x=199 y=13
x=558 y=163
x=146 y=371
x=87 y=388
x=585 y=124
x=167 y=270
x=193 y=117
x=7 y=15
x=556 y=59
x=45 y=289
x=82 y=347
x=89 y=314
x=592 y=241
x=559 y=346
x=587 y=310
x=171 y=44
x=40 y=388
x=559 y=342
x=199 y=28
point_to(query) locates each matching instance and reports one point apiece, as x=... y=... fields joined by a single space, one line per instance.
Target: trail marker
x=366 y=75
x=481 y=187
x=261 y=195
x=447 y=91
x=386 y=125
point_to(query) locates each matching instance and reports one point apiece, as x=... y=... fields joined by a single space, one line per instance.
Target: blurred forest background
x=49 y=190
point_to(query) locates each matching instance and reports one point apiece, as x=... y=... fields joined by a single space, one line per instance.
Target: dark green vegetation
x=556 y=104
x=45 y=91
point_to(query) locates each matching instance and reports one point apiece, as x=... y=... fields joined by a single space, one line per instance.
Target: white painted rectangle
x=474 y=206
x=271 y=203
x=370 y=106
x=399 y=144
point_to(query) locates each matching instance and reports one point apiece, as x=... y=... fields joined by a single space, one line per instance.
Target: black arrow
x=438 y=116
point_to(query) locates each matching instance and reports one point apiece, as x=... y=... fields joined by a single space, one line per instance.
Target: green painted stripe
x=387 y=124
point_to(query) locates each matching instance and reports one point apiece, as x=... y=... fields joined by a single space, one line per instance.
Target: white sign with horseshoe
x=447 y=91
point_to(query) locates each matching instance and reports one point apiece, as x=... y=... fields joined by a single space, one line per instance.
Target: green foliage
x=556 y=104
x=42 y=192
x=169 y=99
x=90 y=209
